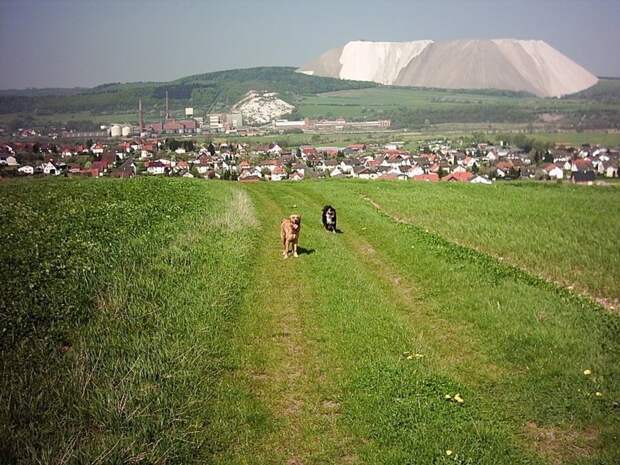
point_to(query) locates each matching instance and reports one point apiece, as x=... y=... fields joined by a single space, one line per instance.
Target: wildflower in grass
x=448 y=452
x=587 y=372
x=598 y=394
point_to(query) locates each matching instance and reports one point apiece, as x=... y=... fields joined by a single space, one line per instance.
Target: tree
x=172 y=144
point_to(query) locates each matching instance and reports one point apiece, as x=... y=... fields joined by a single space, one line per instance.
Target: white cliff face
x=507 y=64
x=261 y=108
x=378 y=61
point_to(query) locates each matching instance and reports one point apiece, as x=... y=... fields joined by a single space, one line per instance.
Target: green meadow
x=155 y=321
x=421 y=108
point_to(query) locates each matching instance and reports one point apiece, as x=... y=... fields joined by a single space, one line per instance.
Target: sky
x=68 y=43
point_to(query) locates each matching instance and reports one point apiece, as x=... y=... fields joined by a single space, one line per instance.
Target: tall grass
x=114 y=360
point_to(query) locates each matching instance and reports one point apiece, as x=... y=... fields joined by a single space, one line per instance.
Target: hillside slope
x=210 y=91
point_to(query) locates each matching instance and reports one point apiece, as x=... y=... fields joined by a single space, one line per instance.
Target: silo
x=115 y=131
x=126 y=131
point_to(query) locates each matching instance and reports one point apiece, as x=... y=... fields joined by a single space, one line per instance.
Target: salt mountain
x=508 y=64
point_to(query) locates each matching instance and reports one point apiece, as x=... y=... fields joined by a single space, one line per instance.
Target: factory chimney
x=167 y=107
x=140 y=116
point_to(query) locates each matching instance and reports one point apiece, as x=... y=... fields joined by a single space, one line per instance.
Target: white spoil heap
x=508 y=64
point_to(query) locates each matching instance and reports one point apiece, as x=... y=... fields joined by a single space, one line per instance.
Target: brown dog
x=289 y=233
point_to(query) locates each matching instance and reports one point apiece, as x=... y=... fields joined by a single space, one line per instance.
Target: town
x=435 y=160
x=213 y=146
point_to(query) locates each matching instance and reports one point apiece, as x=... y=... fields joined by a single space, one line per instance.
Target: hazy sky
x=64 y=43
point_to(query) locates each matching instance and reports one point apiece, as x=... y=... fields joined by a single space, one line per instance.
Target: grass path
x=346 y=331
x=354 y=306
x=279 y=361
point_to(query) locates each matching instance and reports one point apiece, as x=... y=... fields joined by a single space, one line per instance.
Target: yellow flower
x=448 y=452
x=598 y=394
x=587 y=372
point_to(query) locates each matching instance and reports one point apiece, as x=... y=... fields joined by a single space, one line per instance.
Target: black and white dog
x=329 y=218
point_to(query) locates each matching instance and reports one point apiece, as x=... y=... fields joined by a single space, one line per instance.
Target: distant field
x=578 y=138
x=155 y=321
x=418 y=108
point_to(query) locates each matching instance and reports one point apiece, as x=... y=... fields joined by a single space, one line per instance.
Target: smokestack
x=167 y=108
x=140 y=116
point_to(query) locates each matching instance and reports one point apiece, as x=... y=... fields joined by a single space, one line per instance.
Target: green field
x=420 y=108
x=548 y=229
x=155 y=321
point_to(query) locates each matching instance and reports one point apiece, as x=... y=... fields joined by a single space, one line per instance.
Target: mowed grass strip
x=389 y=409
x=131 y=374
x=566 y=234
x=282 y=391
x=529 y=344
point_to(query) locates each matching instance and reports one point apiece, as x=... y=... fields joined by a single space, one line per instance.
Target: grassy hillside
x=205 y=91
x=162 y=330
x=606 y=90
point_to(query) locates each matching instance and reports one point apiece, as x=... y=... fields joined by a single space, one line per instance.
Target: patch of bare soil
x=561 y=445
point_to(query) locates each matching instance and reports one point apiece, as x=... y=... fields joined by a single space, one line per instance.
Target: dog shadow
x=304 y=251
